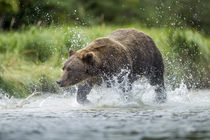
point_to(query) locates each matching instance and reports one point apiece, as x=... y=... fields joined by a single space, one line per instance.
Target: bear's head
x=79 y=67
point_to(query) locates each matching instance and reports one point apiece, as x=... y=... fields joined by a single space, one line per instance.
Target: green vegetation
x=151 y=13
x=32 y=59
x=191 y=53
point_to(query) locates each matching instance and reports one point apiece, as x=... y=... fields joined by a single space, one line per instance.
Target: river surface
x=45 y=116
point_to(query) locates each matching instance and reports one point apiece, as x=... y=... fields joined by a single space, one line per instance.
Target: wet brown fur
x=107 y=56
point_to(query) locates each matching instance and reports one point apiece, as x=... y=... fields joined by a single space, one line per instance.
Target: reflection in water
x=112 y=115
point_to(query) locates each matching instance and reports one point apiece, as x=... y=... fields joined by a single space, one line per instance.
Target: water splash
x=141 y=95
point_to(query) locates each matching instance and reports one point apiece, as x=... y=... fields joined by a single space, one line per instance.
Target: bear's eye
x=68 y=69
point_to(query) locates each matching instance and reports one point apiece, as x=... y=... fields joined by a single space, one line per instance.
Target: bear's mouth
x=72 y=83
x=66 y=84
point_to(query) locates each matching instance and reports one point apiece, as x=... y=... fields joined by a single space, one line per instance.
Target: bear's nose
x=59 y=81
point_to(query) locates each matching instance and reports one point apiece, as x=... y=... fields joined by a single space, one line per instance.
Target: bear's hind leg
x=156 y=79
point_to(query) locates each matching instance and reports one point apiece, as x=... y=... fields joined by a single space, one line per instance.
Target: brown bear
x=105 y=57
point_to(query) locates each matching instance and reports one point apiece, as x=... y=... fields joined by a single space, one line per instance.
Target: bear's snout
x=59 y=82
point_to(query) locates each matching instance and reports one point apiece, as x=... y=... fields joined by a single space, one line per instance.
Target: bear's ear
x=71 y=52
x=88 y=58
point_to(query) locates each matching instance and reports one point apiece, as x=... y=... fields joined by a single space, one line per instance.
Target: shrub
x=186 y=55
x=74 y=40
x=37 y=49
x=17 y=90
x=46 y=84
x=184 y=47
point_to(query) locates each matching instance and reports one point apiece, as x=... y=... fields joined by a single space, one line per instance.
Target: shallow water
x=186 y=115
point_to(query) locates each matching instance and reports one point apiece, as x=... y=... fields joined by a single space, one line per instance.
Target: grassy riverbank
x=31 y=59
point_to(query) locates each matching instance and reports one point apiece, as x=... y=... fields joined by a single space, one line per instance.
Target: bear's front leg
x=161 y=95
x=83 y=91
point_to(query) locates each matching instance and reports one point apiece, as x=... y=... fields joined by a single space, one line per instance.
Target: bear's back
x=140 y=46
x=128 y=36
x=136 y=42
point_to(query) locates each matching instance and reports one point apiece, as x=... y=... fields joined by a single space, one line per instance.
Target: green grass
x=31 y=59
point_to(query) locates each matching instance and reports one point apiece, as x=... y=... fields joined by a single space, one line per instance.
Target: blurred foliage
x=193 y=62
x=183 y=47
x=37 y=49
x=9 y=6
x=158 y=13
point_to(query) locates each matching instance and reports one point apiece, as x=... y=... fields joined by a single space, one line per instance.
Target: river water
x=45 y=116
